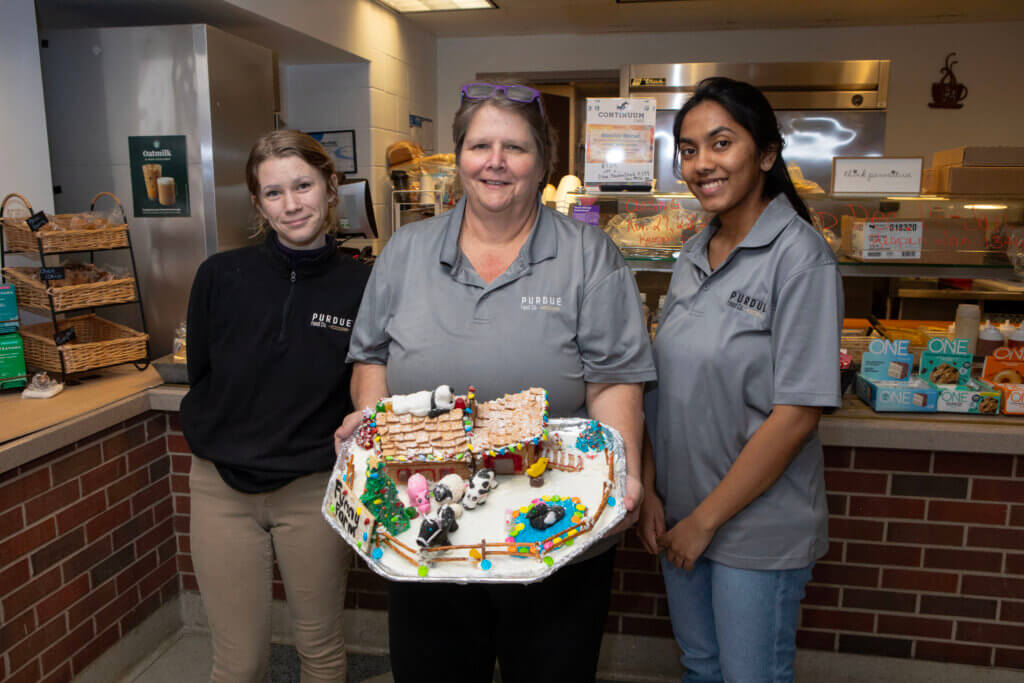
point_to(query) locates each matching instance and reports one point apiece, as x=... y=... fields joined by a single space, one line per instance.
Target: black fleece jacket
x=268 y=333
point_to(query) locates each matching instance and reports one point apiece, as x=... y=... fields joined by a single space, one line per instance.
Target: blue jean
x=735 y=625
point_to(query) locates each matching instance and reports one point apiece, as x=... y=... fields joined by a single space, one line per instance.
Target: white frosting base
x=487 y=521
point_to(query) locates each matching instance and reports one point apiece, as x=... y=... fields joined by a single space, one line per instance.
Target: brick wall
x=87 y=549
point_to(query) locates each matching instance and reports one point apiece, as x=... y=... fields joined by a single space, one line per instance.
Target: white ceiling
x=606 y=16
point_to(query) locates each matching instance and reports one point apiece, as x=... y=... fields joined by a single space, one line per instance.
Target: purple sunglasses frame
x=495 y=89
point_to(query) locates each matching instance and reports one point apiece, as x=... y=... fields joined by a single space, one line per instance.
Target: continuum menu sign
x=159 y=169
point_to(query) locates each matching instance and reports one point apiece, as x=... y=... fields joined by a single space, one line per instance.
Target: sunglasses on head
x=516 y=93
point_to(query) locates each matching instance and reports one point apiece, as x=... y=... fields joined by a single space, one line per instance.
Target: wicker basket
x=98 y=343
x=19 y=237
x=32 y=292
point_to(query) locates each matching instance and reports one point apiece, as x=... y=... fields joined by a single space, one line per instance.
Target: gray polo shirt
x=761 y=330
x=566 y=312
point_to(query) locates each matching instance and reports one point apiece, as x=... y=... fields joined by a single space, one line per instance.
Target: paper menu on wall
x=619 y=141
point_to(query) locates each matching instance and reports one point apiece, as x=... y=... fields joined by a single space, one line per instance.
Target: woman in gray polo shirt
x=747 y=357
x=504 y=294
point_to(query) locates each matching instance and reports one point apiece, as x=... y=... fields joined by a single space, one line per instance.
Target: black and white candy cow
x=449 y=490
x=478 y=488
x=434 y=528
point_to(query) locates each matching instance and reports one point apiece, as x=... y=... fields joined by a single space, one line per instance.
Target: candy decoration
x=377 y=553
x=611 y=502
x=422 y=571
x=549 y=560
x=485 y=565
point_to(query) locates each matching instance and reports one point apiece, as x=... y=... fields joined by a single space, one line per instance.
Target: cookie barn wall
x=926 y=560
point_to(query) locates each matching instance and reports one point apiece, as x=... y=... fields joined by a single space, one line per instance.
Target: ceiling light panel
x=408 y=6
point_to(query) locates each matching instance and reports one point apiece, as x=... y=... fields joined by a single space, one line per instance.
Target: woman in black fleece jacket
x=268 y=332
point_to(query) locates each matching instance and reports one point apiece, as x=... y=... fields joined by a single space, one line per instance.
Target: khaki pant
x=234 y=539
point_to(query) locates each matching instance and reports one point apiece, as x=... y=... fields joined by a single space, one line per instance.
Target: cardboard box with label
x=12 y=362
x=979 y=156
x=886 y=381
x=990 y=180
x=960 y=241
x=1004 y=369
x=946 y=364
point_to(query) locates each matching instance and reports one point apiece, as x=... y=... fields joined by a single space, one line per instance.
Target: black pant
x=546 y=631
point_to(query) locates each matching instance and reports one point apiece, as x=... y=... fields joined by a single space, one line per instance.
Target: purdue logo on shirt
x=331 y=322
x=541 y=303
x=747 y=304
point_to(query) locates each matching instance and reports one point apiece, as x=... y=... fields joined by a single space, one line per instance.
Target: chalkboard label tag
x=64 y=336
x=37 y=220
x=47 y=273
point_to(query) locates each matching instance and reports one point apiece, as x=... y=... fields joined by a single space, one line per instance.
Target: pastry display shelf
x=138 y=353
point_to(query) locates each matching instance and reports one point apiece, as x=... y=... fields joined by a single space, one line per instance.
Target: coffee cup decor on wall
x=948 y=93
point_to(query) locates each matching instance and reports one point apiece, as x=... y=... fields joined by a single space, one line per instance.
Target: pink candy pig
x=418 y=490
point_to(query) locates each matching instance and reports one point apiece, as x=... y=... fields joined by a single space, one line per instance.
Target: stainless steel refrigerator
x=102 y=86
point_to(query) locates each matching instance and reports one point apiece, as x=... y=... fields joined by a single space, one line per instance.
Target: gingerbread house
x=508 y=432
x=431 y=446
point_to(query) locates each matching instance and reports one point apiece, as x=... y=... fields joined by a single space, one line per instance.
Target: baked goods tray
x=589 y=484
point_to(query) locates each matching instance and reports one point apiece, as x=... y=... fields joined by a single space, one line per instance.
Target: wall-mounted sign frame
x=877 y=175
x=341 y=146
x=620 y=142
x=159 y=171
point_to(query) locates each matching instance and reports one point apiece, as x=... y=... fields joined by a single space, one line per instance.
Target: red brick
x=953 y=652
x=115 y=611
x=878 y=553
x=173 y=422
x=14 y=576
x=873 y=645
x=982 y=537
x=1017 y=515
x=164 y=509
x=815 y=640
x=13 y=630
x=951 y=606
x=189 y=583
x=173 y=587
x=836 y=504
x=973 y=463
x=24 y=488
x=28 y=540
x=30 y=674
x=889 y=601
x=834 y=552
x=632 y=604
x=1014 y=564
x=134 y=573
x=179 y=483
x=181 y=464
x=167 y=550
x=127 y=486
x=1013 y=659
x=60 y=675
x=59 y=601
x=67 y=646
x=837 y=457
x=83 y=511
x=837 y=620
x=132 y=529
x=963 y=560
x=50 y=502
x=155 y=427
x=636 y=560
x=827 y=596
x=845 y=575
x=995 y=586
x=859 y=529
x=856 y=482
x=906 y=508
x=11 y=522
x=96 y=479
x=636 y=582
x=30 y=647
x=998 y=489
x=78 y=463
x=912 y=579
x=159 y=468
x=997 y=634
x=139 y=614
x=185 y=564
x=928 y=486
x=915 y=626
x=124 y=441
x=51 y=554
x=95 y=648
x=154 y=537
x=926 y=534
x=86 y=559
x=642 y=626
x=181 y=524
x=151 y=495
x=108 y=521
x=85 y=608
x=145 y=454
x=184 y=544
x=1011 y=611
x=974 y=513
x=177 y=444
x=112 y=565
x=891 y=461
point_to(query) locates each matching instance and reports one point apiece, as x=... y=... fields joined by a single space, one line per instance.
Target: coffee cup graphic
x=948 y=93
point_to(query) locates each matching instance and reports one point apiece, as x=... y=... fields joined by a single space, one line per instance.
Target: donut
x=1007 y=377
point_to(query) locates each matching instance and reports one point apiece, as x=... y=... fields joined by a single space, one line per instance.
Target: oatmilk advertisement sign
x=159 y=168
x=620 y=142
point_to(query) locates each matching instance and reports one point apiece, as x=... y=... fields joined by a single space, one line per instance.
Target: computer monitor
x=355 y=206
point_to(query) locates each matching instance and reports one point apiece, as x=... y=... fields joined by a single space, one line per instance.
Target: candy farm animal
x=424 y=403
x=478 y=488
x=419 y=493
x=449 y=490
x=435 y=528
